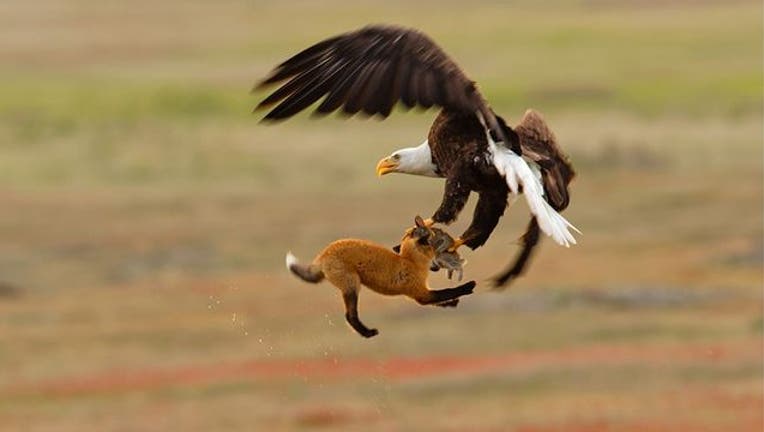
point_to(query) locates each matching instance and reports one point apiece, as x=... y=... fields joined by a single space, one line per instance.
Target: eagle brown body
x=458 y=144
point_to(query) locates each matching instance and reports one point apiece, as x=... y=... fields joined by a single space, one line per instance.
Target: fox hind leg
x=349 y=284
x=351 y=315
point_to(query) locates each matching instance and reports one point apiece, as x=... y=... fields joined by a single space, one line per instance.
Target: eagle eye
x=396 y=157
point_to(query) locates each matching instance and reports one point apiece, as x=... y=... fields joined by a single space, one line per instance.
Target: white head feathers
x=414 y=160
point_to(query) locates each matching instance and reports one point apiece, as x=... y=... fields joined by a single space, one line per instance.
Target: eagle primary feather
x=344 y=68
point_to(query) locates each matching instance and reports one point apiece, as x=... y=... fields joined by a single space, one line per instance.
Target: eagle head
x=412 y=160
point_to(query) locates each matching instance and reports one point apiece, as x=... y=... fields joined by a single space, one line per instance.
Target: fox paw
x=449 y=303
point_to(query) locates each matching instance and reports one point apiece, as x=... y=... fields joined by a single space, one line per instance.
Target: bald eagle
x=371 y=69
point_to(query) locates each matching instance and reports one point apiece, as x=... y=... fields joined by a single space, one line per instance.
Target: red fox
x=350 y=263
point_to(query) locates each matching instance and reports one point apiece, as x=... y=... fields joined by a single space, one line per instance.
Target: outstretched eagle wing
x=370 y=70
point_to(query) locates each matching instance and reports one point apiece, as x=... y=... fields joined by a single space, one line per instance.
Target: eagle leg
x=459 y=242
x=489 y=209
x=530 y=239
x=455 y=197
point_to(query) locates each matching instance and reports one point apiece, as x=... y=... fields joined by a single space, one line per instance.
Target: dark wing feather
x=294 y=85
x=340 y=88
x=428 y=91
x=357 y=95
x=307 y=93
x=411 y=84
x=297 y=63
x=377 y=89
x=369 y=70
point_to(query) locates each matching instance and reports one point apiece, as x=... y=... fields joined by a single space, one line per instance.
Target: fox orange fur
x=350 y=263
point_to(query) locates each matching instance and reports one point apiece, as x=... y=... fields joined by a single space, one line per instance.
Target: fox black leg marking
x=351 y=315
x=448 y=295
x=450 y=303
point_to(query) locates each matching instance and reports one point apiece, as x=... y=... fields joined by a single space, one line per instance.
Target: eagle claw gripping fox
x=445 y=256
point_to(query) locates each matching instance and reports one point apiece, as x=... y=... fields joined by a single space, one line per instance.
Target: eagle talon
x=457 y=244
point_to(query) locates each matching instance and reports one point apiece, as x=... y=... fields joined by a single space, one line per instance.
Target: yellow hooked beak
x=385 y=166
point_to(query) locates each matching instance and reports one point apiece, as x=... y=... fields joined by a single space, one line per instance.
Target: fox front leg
x=351 y=315
x=449 y=303
x=444 y=297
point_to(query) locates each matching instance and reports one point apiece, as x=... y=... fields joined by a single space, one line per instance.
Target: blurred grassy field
x=146 y=214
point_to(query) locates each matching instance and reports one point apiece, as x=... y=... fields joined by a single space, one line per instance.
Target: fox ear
x=419 y=221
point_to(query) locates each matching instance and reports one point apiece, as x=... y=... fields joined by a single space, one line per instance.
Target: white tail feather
x=518 y=172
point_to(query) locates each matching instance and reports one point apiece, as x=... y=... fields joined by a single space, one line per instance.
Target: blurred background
x=146 y=213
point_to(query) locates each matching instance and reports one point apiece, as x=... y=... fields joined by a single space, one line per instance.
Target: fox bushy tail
x=309 y=273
